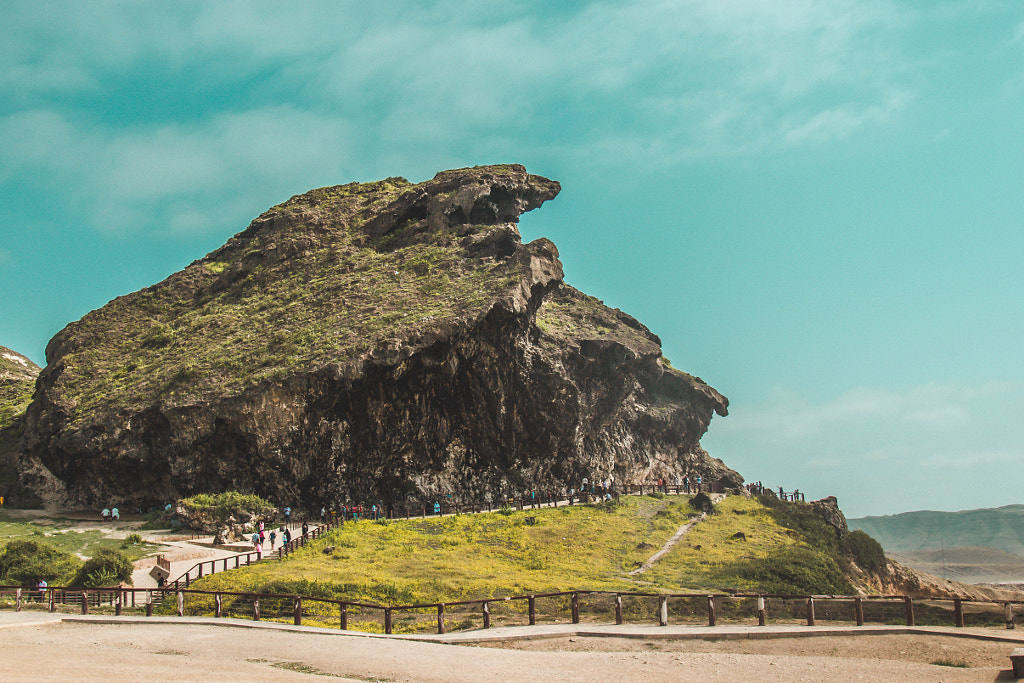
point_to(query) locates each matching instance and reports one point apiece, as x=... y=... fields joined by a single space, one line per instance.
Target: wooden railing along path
x=709 y=608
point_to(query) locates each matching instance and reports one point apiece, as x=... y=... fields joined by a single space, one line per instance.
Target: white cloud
x=178 y=177
x=358 y=92
x=788 y=418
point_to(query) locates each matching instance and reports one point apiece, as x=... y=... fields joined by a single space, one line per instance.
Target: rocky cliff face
x=17 y=381
x=369 y=341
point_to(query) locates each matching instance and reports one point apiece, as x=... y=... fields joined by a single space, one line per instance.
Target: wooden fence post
x=858 y=609
x=532 y=602
x=958 y=612
x=298 y=611
x=53 y=601
x=1009 y=615
x=440 y=618
x=149 y=603
x=711 y=610
x=200 y=575
x=343 y=616
x=236 y=561
x=17 y=600
x=908 y=607
x=487 y=614
x=387 y=620
x=219 y=606
x=810 y=611
x=181 y=604
x=575 y=608
x=762 y=615
x=85 y=602
x=120 y=600
x=256 y=608
x=663 y=610
x=618 y=608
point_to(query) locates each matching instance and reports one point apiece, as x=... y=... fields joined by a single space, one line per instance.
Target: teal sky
x=817 y=204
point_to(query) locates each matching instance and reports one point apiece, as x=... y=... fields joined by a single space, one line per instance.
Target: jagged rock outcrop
x=828 y=509
x=368 y=341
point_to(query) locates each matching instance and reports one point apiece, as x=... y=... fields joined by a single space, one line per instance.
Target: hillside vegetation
x=744 y=545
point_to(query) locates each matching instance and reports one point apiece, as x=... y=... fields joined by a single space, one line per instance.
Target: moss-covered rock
x=374 y=341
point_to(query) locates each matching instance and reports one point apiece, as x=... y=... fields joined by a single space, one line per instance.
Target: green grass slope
x=744 y=545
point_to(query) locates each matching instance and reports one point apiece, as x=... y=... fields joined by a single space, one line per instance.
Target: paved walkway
x=183 y=555
x=10 y=618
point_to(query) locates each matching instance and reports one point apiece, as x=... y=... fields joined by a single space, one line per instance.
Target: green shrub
x=108 y=567
x=865 y=551
x=795 y=571
x=802 y=518
x=25 y=562
x=205 y=509
x=130 y=540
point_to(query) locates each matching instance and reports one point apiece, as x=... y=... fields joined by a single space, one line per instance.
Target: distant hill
x=970 y=546
x=966 y=565
x=999 y=528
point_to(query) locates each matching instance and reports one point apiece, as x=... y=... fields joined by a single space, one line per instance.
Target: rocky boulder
x=828 y=509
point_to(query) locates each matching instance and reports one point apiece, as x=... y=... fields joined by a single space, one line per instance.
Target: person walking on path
x=287 y=516
x=305 y=529
x=257 y=546
x=273 y=538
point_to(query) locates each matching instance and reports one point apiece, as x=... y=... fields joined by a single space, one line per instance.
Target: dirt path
x=682 y=531
x=146 y=652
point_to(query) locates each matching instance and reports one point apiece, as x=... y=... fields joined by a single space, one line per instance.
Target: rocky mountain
x=17 y=381
x=970 y=546
x=383 y=340
x=16 y=367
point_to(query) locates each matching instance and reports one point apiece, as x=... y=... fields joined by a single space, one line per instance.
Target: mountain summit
x=384 y=340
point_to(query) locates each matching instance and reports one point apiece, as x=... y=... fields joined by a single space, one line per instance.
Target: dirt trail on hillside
x=682 y=531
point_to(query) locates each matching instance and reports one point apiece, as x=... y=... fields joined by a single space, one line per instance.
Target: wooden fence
x=559 y=607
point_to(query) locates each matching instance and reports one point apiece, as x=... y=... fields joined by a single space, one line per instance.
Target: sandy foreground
x=183 y=651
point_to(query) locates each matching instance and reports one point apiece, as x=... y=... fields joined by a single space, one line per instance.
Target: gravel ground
x=147 y=652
